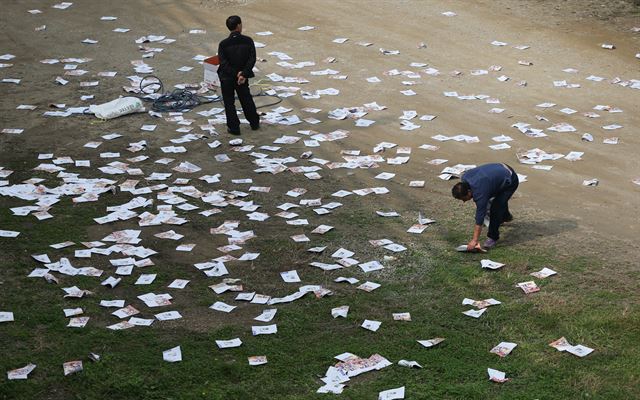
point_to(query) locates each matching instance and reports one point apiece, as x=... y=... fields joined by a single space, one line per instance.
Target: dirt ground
x=568 y=35
x=615 y=16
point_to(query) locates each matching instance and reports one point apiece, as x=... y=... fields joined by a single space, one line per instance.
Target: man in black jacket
x=237 y=55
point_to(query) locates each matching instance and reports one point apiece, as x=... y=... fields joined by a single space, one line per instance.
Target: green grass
x=429 y=281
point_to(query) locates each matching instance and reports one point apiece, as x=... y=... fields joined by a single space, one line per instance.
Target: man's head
x=234 y=23
x=462 y=191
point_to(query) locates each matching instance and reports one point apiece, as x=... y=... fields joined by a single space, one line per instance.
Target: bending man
x=237 y=55
x=497 y=181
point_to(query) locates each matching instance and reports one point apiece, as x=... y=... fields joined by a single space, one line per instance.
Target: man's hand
x=241 y=79
x=473 y=244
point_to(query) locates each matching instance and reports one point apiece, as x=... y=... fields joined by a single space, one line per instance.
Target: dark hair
x=460 y=190
x=233 y=22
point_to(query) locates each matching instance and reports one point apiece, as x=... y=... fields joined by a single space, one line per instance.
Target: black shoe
x=255 y=127
x=237 y=132
x=508 y=218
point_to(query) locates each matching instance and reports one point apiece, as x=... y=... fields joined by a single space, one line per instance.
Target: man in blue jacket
x=483 y=183
x=237 y=55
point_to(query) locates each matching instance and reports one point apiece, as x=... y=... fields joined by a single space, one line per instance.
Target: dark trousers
x=229 y=88
x=499 y=211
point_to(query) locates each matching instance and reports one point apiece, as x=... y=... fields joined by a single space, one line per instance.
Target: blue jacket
x=486 y=182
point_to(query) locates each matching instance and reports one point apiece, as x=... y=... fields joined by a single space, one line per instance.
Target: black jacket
x=236 y=53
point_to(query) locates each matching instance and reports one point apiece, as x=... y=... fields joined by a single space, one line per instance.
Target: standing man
x=497 y=181
x=237 y=55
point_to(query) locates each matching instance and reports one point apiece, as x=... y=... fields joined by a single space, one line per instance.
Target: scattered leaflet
x=172 y=355
x=409 y=364
x=490 y=264
x=392 y=394
x=528 y=287
x=71 y=367
x=370 y=325
x=497 y=376
x=225 y=344
x=503 y=348
x=543 y=273
x=563 y=345
x=6 y=316
x=21 y=373
x=257 y=360
x=341 y=311
x=431 y=342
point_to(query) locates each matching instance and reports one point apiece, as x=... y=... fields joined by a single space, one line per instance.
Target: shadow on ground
x=526 y=231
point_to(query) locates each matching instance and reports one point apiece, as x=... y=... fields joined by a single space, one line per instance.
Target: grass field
x=429 y=280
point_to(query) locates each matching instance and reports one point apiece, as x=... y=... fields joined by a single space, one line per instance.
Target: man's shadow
x=524 y=231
